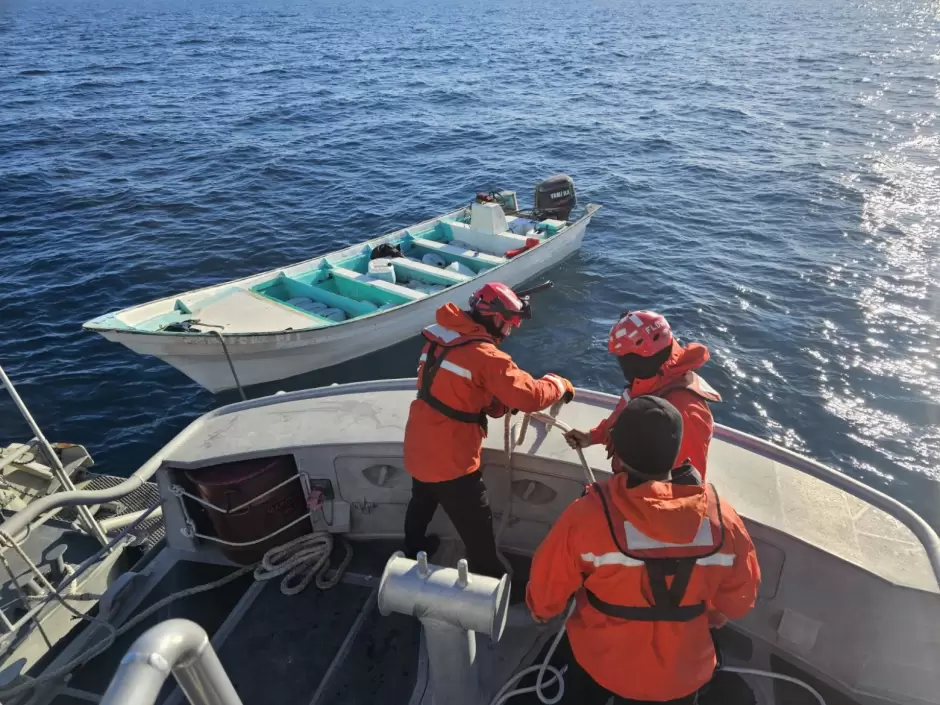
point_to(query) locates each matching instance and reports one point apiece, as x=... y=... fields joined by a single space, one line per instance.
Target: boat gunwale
x=589 y=210
x=924 y=532
x=918 y=525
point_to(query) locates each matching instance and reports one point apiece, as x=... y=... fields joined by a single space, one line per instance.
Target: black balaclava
x=646 y=438
x=636 y=366
x=488 y=323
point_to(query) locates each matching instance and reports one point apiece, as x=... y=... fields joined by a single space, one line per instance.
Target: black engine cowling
x=555 y=197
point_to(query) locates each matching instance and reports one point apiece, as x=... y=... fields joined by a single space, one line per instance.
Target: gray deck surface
x=369 y=557
x=283 y=646
x=39 y=543
x=334 y=648
x=381 y=664
x=209 y=609
x=333 y=643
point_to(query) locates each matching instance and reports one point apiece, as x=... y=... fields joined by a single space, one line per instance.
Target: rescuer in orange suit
x=653 y=362
x=653 y=558
x=463 y=378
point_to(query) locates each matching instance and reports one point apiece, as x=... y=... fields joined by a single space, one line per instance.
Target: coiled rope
x=307 y=558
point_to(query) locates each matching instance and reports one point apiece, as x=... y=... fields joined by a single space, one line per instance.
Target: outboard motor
x=555 y=197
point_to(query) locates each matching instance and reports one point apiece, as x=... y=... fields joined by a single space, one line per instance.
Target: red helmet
x=642 y=333
x=502 y=304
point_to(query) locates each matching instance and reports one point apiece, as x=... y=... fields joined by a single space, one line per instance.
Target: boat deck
x=243 y=311
x=333 y=647
x=769 y=494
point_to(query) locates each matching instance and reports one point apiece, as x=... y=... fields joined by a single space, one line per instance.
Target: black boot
x=430 y=545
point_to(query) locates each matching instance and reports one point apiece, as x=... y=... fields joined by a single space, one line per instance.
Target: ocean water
x=769 y=170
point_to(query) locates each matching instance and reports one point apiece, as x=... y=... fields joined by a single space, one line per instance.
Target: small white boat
x=352 y=302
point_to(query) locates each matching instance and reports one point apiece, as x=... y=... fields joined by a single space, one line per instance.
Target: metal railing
x=176 y=646
x=54 y=461
x=190 y=529
x=77 y=498
x=64 y=592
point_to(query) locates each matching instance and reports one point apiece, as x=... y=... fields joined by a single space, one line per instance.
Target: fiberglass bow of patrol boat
x=849 y=602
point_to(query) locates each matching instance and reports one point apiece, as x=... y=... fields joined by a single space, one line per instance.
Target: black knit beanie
x=647 y=436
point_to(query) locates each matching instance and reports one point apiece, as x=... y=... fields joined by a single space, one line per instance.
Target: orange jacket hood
x=663 y=511
x=682 y=360
x=459 y=321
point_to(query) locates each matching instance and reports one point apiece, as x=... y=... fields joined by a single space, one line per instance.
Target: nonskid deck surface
x=281 y=649
x=328 y=646
x=726 y=688
x=333 y=647
x=323 y=646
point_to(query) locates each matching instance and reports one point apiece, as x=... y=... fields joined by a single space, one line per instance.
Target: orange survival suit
x=646 y=563
x=463 y=378
x=683 y=388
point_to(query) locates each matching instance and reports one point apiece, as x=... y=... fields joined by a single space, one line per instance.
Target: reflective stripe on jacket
x=661 y=559
x=635 y=656
x=433 y=360
x=474 y=376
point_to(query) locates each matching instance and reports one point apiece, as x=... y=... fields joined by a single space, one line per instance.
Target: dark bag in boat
x=386 y=251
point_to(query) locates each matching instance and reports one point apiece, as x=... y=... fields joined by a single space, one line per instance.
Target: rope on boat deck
x=558 y=674
x=308 y=556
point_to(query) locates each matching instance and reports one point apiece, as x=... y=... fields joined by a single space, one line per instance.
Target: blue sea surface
x=770 y=175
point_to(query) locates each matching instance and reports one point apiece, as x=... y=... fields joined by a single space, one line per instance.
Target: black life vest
x=441 y=341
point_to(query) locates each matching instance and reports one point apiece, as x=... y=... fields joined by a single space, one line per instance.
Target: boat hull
x=268 y=357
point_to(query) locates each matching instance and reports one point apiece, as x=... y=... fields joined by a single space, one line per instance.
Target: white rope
x=778 y=676
x=557 y=679
x=300 y=556
x=549 y=420
x=307 y=558
x=509 y=444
